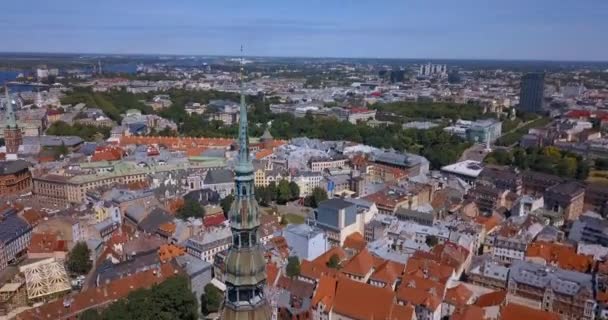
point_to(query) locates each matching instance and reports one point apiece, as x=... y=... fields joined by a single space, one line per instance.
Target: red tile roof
x=562 y=255
x=167 y=252
x=46 y=243
x=423 y=264
x=362 y=301
x=108 y=153
x=513 y=311
x=388 y=272
x=213 y=220
x=360 y=264
x=272 y=273
x=458 y=295
x=324 y=258
x=315 y=271
x=494 y=298
x=355 y=241
x=263 y=153
x=468 y=313
x=421 y=292
x=325 y=293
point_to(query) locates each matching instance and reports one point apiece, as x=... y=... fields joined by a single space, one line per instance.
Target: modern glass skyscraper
x=245 y=275
x=531 y=96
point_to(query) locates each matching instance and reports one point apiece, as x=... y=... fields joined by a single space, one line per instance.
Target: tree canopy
x=334 y=261
x=79 y=259
x=318 y=195
x=549 y=160
x=113 y=103
x=86 y=132
x=293 y=266
x=226 y=203
x=191 y=208
x=211 y=300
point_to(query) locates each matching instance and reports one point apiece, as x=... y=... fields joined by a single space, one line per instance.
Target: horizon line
x=298 y=57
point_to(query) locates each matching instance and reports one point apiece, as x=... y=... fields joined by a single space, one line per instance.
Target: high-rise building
x=531 y=97
x=12 y=133
x=245 y=275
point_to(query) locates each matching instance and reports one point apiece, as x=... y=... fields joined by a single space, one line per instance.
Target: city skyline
x=518 y=30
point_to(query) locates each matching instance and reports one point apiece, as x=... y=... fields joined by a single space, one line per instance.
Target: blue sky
x=461 y=29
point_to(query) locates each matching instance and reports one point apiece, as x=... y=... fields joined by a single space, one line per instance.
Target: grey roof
x=12 y=226
x=569 y=189
x=214 y=153
x=302 y=230
x=193 y=266
x=336 y=204
x=361 y=203
x=219 y=176
x=11 y=167
x=110 y=272
x=53 y=141
x=390 y=157
x=559 y=280
x=157 y=217
x=136 y=213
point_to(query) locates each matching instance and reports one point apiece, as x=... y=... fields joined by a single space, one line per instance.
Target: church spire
x=10 y=112
x=245 y=274
x=244 y=161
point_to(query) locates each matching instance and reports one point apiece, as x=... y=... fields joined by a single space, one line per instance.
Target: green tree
x=293 y=267
x=79 y=259
x=318 y=195
x=334 y=261
x=283 y=192
x=431 y=241
x=226 y=203
x=191 y=208
x=294 y=190
x=62 y=149
x=567 y=167
x=263 y=196
x=211 y=300
x=582 y=170
x=272 y=190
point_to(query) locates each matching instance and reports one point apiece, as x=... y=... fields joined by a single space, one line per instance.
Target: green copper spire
x=245 y=275
x=10 y=112
x=244 y=160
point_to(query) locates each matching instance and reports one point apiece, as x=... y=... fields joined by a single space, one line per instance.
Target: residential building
x=567 y=293
x=15 y=178
x=15 y=236
x=307 y=181
x=339 y=219
x=207 y=244
x=304 y=241
x=361 y=115
x=590 y=230
x=567 y=198
x=504 y=178
x=488 y=272
x=321 y=163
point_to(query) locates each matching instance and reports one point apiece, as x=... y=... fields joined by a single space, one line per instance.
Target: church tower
x=245 y=275
x=12 y=133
